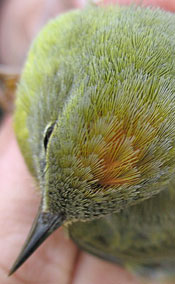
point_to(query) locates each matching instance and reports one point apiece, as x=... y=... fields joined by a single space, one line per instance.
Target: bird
x=95 y=122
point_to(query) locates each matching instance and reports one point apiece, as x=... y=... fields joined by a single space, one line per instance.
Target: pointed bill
x=44 y=225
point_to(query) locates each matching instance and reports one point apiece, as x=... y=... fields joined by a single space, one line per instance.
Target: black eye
x=47 y=135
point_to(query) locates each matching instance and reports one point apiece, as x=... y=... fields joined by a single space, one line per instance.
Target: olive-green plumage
x=95 y=120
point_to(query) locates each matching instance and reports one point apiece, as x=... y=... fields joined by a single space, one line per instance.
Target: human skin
x=58 y=260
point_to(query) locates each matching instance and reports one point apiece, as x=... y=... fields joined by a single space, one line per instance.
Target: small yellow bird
x=95 y=121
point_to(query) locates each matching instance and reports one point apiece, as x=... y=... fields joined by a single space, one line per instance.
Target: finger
x=90 y=269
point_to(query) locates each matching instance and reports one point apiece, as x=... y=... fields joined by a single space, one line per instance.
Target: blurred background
x=20 y=22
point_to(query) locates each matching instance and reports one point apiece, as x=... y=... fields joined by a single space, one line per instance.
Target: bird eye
x=48 y=132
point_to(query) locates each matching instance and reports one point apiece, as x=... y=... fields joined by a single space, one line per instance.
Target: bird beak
x=44 y=225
